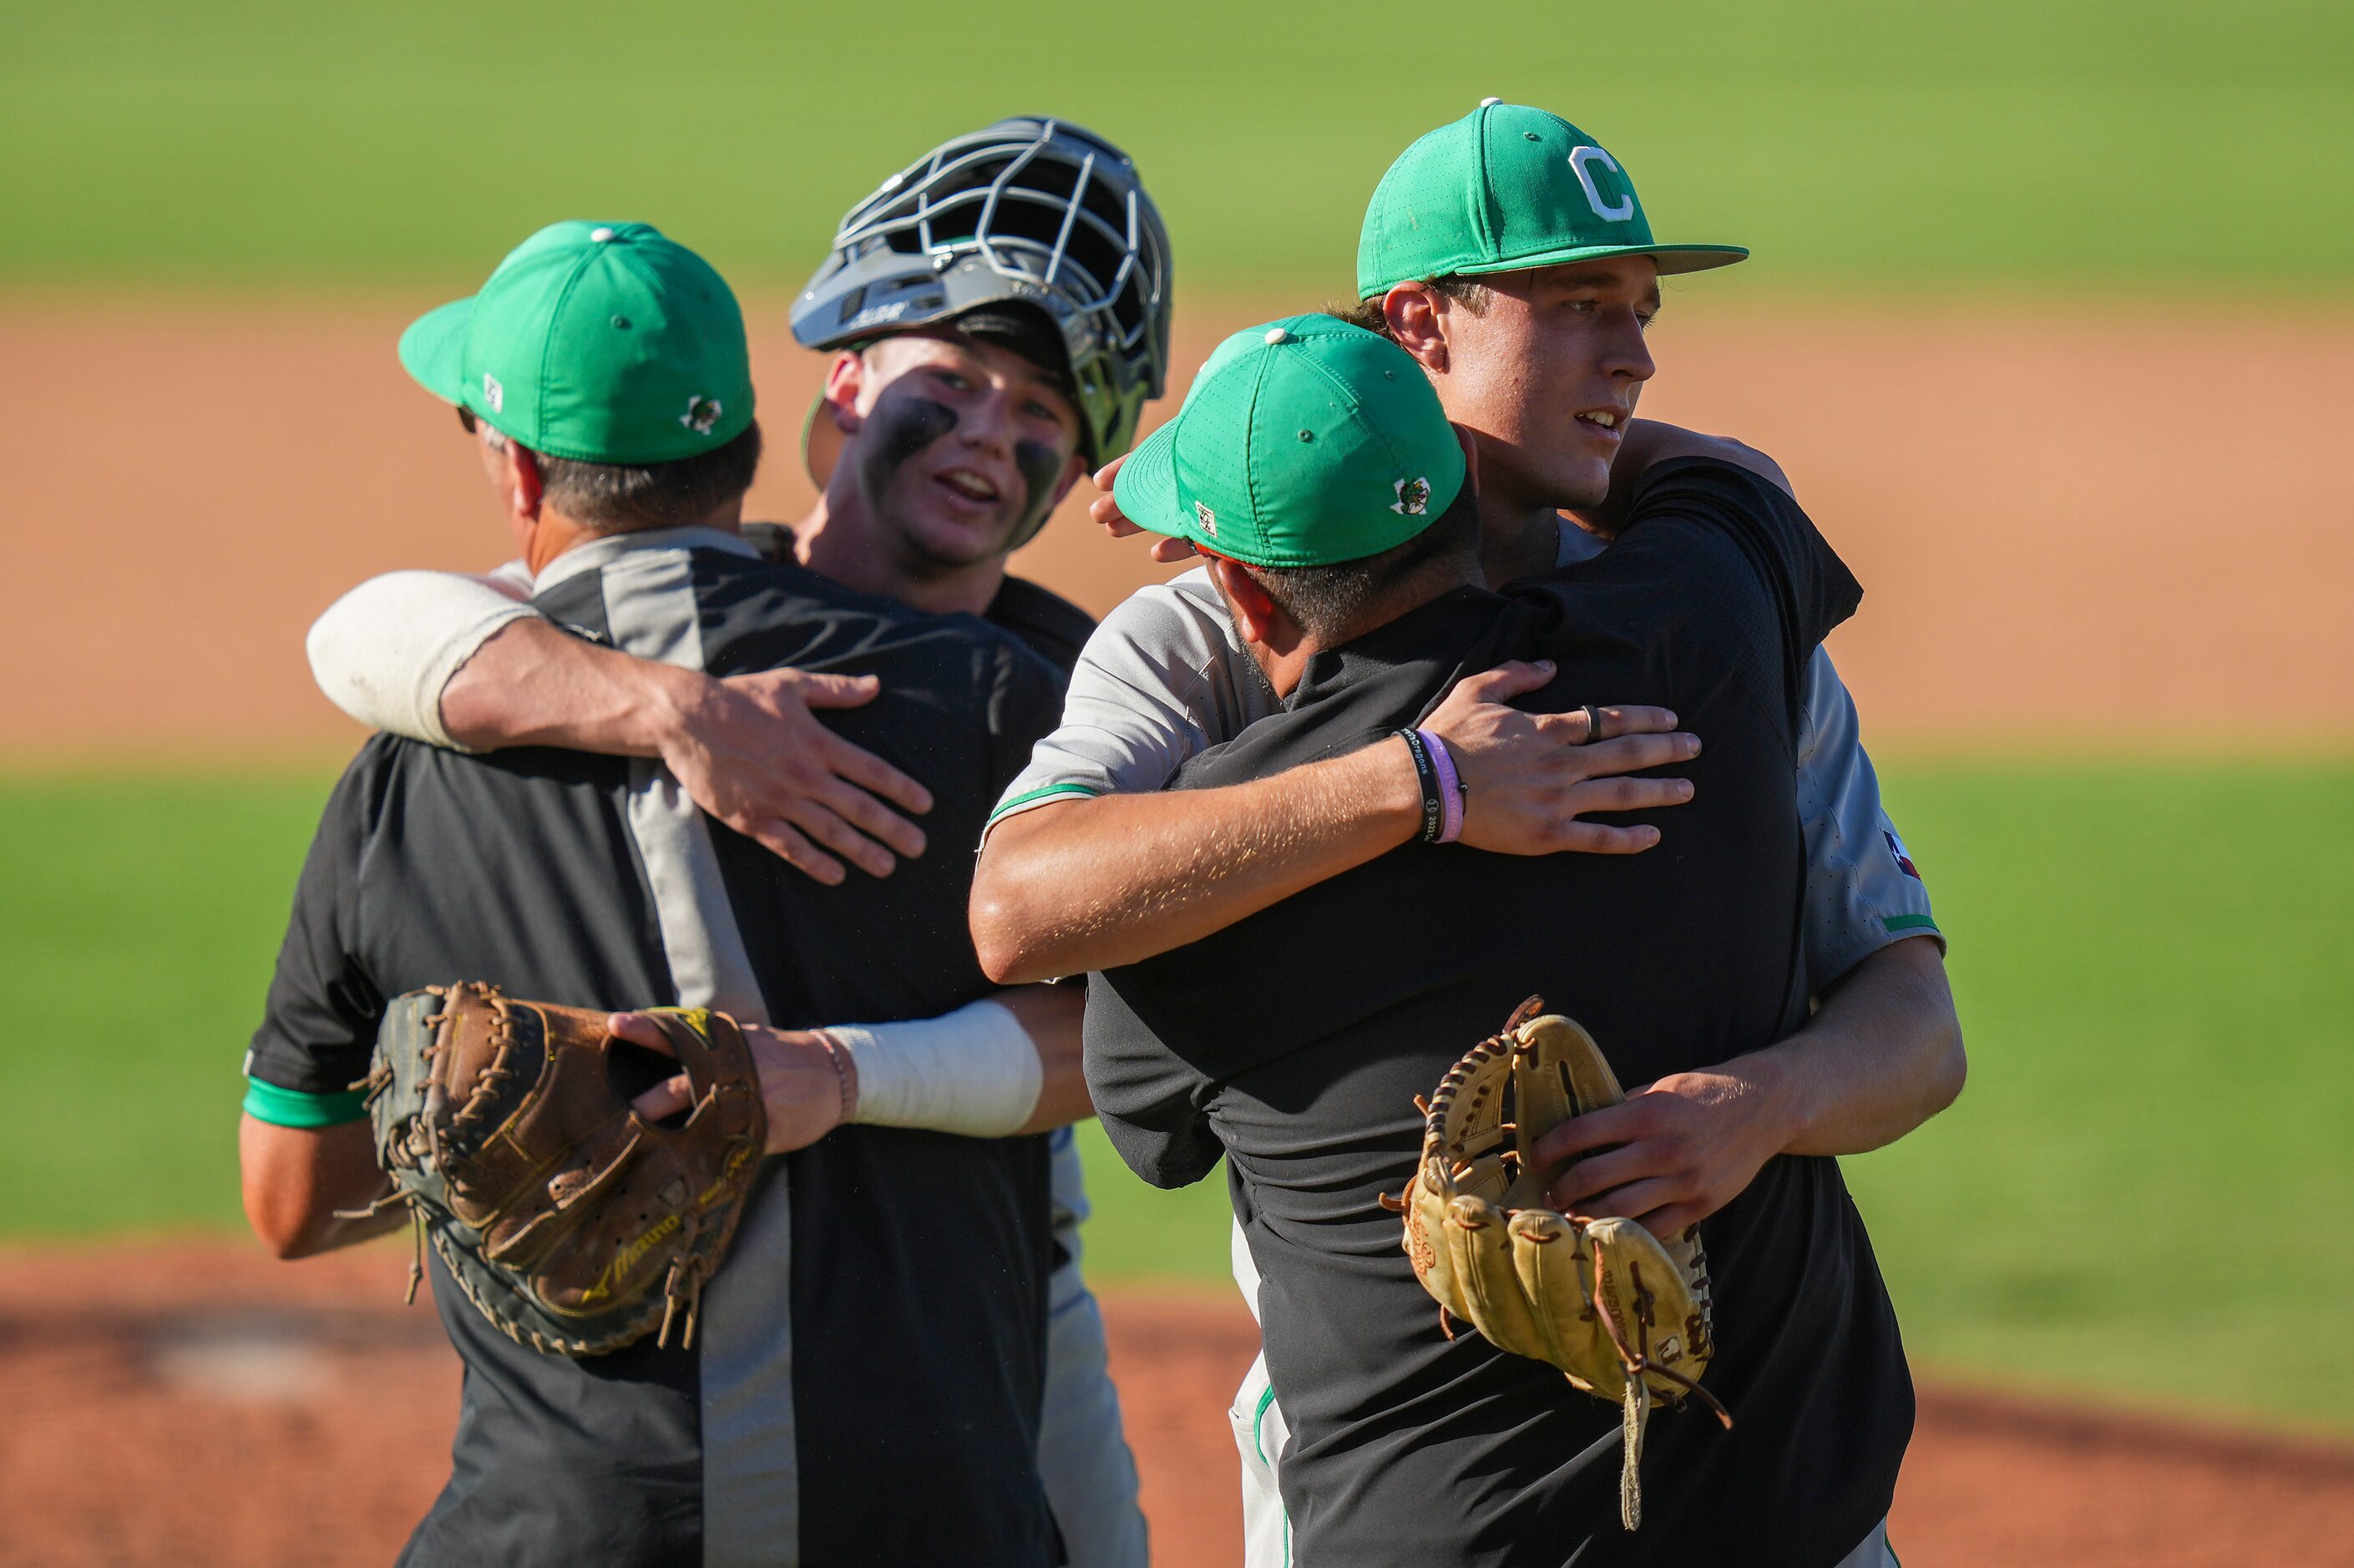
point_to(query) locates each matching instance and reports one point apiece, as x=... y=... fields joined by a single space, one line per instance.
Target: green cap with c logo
x=1508 y=187
x=597 y=342
x=1303 y=443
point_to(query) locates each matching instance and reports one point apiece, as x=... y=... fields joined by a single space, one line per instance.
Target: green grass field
x=2099 y=145
x=2144 y=1190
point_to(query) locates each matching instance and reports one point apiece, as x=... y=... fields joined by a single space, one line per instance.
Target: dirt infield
x=2086 y=530
x=260 y=1414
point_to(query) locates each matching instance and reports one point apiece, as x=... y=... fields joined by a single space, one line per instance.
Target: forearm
x=1883 y=1055
x=1053 y=1016
x=1880 y=1056
x=1001 y=1067
x=1095 y=884
x=295 y=1179
x=534 y=685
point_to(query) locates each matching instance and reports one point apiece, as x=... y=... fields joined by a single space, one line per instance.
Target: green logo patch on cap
x=599 y=343
x=1303 y=443
x=1504 y=189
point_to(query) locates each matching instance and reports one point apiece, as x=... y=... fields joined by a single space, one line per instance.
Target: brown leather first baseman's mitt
x=1624 y=1315
x=574 y=1225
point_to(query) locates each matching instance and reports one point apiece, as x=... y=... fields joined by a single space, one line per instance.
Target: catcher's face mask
x=1030 y=211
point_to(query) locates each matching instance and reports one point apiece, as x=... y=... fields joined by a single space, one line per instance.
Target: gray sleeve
x=1163 y=678
x=384 y=651
x=1863 y=891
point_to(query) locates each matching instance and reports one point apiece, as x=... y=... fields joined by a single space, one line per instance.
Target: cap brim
x=1146 y=489
x=1670 y=258
x=434 y=351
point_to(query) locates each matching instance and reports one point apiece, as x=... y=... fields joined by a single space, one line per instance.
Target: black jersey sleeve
x=1151 y=1100
x=1721 y=533
x=318 y=1027
x=1025 y=703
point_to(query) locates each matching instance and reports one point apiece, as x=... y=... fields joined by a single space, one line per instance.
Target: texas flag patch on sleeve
x=1903 y=862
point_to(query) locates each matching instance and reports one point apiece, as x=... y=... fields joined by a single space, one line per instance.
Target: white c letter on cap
x=1578 y=162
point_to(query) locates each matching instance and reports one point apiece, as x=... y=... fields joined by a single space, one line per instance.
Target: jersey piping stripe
x=751 y=1497
x=1907 y=923
x=1258 y=1441
x=1032 y=797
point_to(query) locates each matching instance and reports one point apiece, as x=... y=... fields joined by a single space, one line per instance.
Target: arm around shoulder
x=385 y=652
x=1650 y=442
x=746 y=749
x=1078 y=882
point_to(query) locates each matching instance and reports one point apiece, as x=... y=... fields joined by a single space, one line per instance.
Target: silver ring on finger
x=1592 y=724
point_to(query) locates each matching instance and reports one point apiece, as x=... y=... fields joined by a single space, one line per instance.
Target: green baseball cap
x=1508 y=187
x=1304 y=442
x=597 y=342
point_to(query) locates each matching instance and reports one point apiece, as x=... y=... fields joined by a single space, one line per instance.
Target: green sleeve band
x=1896 y=923
x=292 y=1107
x=1028 y=797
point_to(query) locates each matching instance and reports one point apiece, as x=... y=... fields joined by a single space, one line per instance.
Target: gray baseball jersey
x=1165 y=677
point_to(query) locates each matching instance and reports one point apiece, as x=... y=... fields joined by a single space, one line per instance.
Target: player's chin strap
x=1635 y=1406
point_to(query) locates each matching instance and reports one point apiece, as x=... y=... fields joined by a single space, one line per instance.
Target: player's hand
x=1671 y=1154
x=1105 y=513
x=1529 y=778
x=748 y=750
x=798 y=1082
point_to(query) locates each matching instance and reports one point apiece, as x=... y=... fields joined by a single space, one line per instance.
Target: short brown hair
x=1332 y=603
x=624 y=498
x=1469 y=292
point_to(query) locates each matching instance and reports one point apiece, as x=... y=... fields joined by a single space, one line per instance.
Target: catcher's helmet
x=1030 y=211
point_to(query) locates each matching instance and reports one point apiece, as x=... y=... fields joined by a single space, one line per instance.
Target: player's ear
x=1255 y=612
x=524 y=484
x=845 y=381
x=1414 y=314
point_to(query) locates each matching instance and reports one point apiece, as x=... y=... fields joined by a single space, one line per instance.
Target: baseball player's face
x=1548 y=375
x=960 y=446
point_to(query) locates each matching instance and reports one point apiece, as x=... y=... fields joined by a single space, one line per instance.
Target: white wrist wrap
x=384 y=651
x=973 y=1071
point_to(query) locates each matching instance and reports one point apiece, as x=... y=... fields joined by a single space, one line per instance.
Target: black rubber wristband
x=1433 y=805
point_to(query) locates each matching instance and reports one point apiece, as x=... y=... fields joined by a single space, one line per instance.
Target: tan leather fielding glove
x=573 y=1225
x=1624 y=1315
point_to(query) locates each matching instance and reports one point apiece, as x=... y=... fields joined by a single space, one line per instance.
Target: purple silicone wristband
x=1450 y=788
